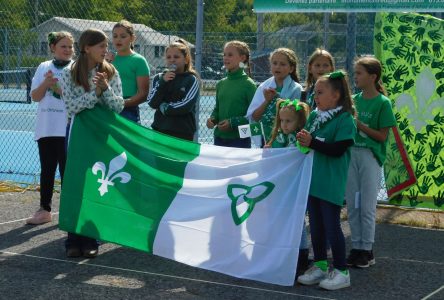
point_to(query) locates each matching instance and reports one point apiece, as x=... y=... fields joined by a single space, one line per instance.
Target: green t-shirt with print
x=269 y=116
x=375 y=113
x=329 y=174
x=130 y=67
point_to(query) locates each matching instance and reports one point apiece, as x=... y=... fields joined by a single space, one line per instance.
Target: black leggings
x=52 y=153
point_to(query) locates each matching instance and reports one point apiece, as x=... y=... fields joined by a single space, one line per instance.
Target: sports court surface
x=409 y=265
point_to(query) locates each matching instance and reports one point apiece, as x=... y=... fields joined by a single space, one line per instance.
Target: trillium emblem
x=240 y=192
x=116 y=164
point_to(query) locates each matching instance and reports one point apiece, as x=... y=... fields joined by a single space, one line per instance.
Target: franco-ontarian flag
x=234 y=211
x=249 y=130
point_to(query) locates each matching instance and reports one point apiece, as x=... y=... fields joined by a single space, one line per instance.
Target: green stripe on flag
x=105 y=151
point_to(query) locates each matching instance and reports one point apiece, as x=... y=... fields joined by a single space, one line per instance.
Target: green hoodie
x=233 y=96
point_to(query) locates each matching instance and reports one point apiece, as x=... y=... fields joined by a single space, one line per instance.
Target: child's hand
x=168 y=76
x=211 y=123
x=269 y=94
x=267 y=146
x=224 y=125
x=304 y=138
x=101 y=82
x=50 y=81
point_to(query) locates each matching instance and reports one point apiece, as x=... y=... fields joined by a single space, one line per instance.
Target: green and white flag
x=234 y=211
x=250 y=130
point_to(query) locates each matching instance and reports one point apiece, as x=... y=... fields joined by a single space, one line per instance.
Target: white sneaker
x=314 y=275
x=336 y=280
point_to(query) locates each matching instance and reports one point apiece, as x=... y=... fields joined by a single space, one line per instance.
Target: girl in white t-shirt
x=51 y=119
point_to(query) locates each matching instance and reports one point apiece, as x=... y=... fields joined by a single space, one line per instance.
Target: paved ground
x=409 y=265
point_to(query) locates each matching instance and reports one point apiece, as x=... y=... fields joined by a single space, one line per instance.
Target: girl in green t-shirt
x=133 y=69
x=374 y=119
x=329 y=131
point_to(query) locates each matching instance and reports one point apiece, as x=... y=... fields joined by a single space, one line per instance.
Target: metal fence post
x=260 y=32
x=198 y=54
x=351 y=46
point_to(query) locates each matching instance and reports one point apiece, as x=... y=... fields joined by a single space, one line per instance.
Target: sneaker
x=351 y=259
x=371 y=258
x=314 y=275
x=362 y=259
x=40 y=217
x=73 y=252
x=336 y=280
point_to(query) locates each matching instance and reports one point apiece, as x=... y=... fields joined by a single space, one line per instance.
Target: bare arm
x=379 y=135
x=143 y=84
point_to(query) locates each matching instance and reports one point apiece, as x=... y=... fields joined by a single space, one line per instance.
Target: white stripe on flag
x=198 y=228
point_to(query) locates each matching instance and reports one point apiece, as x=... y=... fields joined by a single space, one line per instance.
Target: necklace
x=323 y=117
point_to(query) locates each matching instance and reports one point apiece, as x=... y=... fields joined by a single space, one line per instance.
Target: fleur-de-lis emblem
x=116 y=164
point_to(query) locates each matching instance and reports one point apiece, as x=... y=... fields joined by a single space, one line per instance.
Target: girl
x=291 y=117
x=233 y=97
x=133 y=69
x=320 y=62
x=51 y=119
x=175 y=93
x=329 y=131
x=283 y=84
x=89 y=81
x=375 y=117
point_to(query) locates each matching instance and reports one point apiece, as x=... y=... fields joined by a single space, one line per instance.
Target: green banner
x=265 y=6
x=410 y=48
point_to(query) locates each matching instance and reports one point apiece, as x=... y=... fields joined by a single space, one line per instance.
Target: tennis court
x=19 y=159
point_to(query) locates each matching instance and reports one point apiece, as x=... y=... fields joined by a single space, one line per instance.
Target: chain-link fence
x=24 y=26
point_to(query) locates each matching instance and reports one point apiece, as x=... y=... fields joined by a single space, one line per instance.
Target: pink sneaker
x=40 y=217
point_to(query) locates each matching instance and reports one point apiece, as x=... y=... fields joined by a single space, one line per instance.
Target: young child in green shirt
x=291 y=116
x=330 y=131
x=374 y=119
x=233 y=97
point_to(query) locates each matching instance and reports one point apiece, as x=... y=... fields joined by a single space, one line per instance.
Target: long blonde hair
x=301 y=116
x=79 y=70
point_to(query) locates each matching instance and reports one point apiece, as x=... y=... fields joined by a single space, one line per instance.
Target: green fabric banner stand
x=410 y=47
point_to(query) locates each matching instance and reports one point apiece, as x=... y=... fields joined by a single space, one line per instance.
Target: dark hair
x=128 y=27
x=341 y=85
x=301 y=115
x=319 y=52
x=79 y=69
x=292 y=60
x=183 y=47
x=56 y=36
x=243 y=49
x=373 y=66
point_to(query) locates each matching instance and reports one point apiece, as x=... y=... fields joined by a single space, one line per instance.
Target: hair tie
x=288 y=102
x=51 y=37
x=336 y=74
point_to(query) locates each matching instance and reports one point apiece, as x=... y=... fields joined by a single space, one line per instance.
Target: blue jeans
x=131 y=113
x=325 y=224
x=234 y=143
